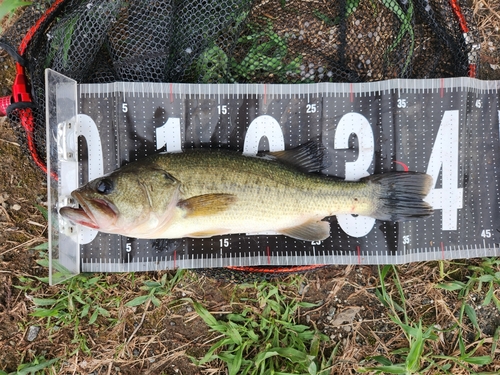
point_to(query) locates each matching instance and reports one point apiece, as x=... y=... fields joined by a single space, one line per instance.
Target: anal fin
x=207 y=204
x=309 y=231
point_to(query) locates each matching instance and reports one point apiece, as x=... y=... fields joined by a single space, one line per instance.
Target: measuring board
x=448 y=128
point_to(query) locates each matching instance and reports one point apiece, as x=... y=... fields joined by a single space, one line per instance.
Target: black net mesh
x=266 y=41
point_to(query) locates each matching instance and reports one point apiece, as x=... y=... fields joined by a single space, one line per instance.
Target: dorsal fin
x=309 y=157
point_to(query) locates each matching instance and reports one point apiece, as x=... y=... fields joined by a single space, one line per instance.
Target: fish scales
x=269 y=194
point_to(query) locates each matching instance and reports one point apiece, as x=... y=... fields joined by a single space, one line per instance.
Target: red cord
x=275 y=270
x=21 y=93
x=28 y=123
x=32 y=31
x=464 y=28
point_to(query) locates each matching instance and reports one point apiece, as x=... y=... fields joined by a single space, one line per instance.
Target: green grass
x=264 y=331
x=485 y=274
x=81 y=301
x=156 y=289
x=418 y=356
x=36 y=366
x=9 y=7
x=269 y=340
x=266 y=54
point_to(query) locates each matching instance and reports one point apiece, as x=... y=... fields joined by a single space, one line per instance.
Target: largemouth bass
x=206 y=192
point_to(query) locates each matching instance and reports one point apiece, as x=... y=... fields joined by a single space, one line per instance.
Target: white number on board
x=444 y=157
x=355 y=123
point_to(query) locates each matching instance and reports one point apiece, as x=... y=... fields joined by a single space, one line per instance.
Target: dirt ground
x=150 y=340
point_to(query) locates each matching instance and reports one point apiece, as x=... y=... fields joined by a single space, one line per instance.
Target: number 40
x=444 y=157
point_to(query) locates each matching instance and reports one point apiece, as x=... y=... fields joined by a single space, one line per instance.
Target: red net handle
x=464 y=29
x=4 y=103
x=21 y=92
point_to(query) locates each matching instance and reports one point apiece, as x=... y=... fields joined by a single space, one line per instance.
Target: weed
x=211 y=66
x=487 y=273
x=267 y=55
x=156 y=289
x=9 y=7
x=350 y=8
x=418 y=357
x=82 y=300
x=34 y=367
x=265 y=341
x=406 y=28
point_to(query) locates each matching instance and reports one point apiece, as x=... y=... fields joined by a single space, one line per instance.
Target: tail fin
x=400 y=195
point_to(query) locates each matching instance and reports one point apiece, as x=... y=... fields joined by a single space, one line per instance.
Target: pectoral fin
x=309 y=231
x=205 y=205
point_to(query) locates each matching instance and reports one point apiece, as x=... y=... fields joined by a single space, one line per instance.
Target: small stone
x=32 y=333
x=16 y=207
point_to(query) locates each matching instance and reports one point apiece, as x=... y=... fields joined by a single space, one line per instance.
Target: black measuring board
x=448 y=128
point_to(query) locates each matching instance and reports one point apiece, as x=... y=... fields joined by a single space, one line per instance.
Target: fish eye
x=104 y=186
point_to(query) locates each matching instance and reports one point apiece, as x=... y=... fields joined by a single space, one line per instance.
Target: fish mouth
x=89 y=211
